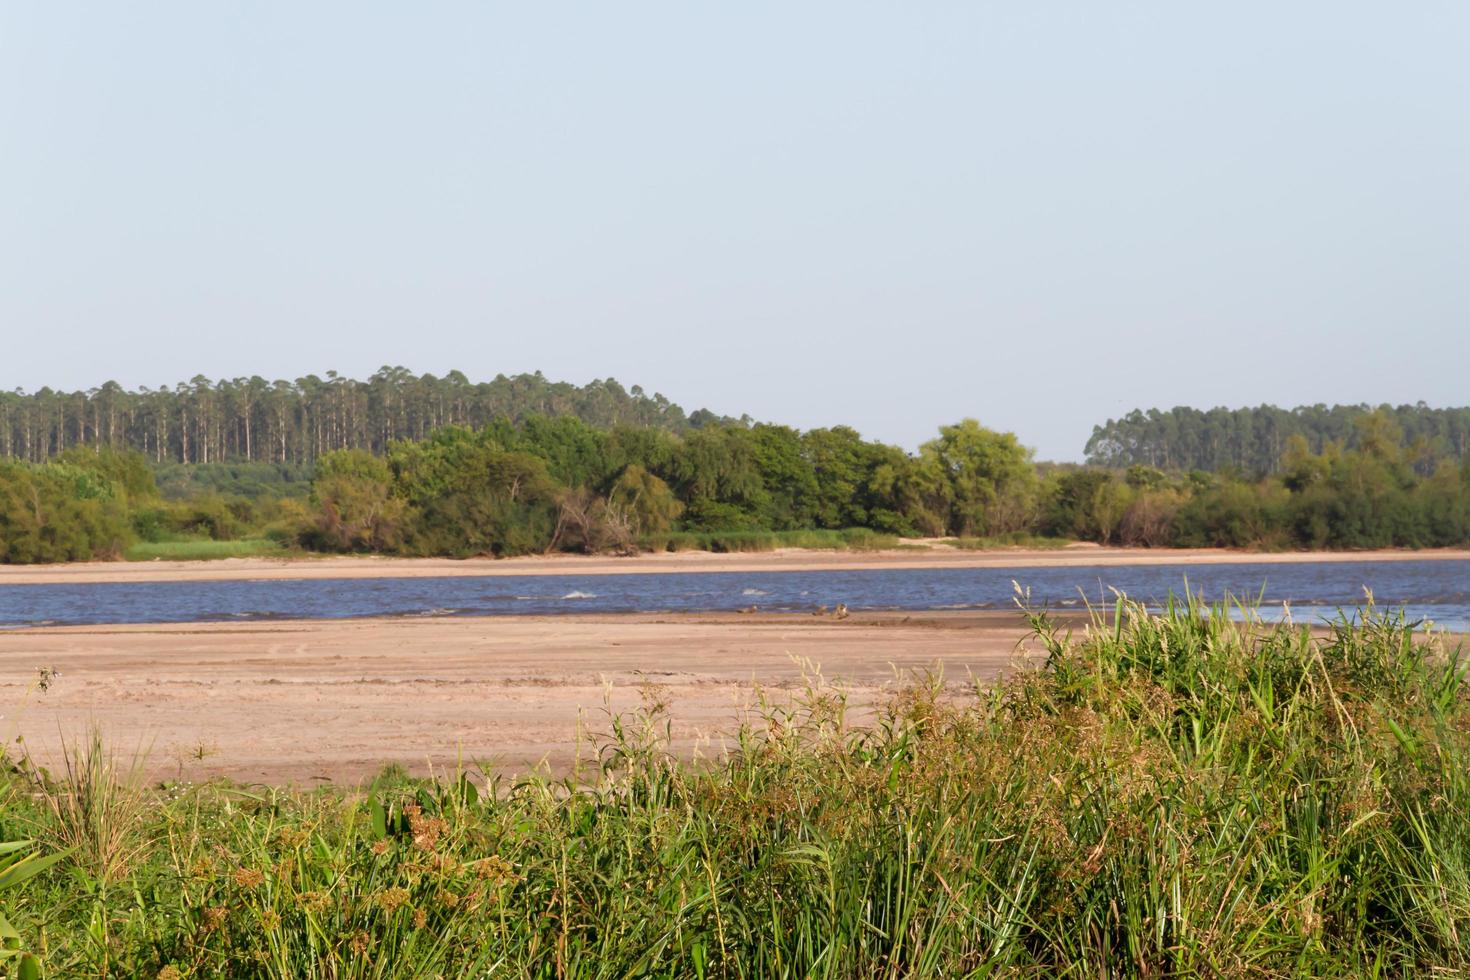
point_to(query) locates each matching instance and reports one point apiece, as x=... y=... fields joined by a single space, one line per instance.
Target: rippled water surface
x=1436 y=590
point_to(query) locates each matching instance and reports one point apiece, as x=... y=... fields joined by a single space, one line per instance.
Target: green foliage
x=574 y=452
x=556 y=482
x=210 y=522
x=855 y=481
x=221 y=424
x=717 y=475
x=703 y=514
x=208 y=516
x=357 y=508
x=122 y=473
x=650 y=504
x=250 y=480
x=355 y=464
x=991 y=482
x=1165 y=795
x=19 y=863
x=789 y=488
x=1253 y=440
x=1145 y=478
x=94 y=811
x=1072 y=503
x=1371 y=497
x=469 y=496
x=60 y=511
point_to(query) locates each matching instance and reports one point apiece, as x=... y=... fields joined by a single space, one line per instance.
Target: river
x=1432 y=590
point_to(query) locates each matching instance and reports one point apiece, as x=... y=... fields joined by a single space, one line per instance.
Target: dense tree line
x=294 y=422
x=539 y=484
x=547 y=483
x=1253 y=440
x=560 y=483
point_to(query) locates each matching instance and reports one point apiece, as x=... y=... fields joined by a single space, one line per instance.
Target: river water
x=1433 y=590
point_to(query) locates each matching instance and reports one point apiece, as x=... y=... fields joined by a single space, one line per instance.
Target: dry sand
x=308 y=701
x=927 y=555
x=335 y=700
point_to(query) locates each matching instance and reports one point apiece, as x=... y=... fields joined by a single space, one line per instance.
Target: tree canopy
x=540 y=482
x=1252 y=440
x=286 y=422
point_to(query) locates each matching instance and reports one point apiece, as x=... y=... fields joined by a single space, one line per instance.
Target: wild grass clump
x=93 y=808
x=1163 y=795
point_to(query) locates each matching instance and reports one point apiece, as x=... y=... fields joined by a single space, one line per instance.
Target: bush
x=209 y=516
x=60 y=512
x=355 y=513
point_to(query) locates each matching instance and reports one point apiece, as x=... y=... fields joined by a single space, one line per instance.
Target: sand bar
x=788 y=560
x=300 y=702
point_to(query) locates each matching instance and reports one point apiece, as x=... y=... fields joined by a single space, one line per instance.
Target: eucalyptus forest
x=1254 y=440
x=255 y=420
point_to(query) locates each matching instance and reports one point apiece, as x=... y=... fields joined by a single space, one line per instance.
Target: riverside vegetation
x=1181 y=794
x=560 y=483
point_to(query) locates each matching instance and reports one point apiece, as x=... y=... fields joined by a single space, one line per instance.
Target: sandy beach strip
x=312 y=701
x=784 y=560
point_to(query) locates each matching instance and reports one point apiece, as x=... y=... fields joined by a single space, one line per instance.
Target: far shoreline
x=781 y=560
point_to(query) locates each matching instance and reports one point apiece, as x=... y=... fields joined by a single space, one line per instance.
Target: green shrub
x=60 y=512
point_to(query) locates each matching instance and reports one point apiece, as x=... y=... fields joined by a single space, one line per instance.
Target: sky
x=888 y=215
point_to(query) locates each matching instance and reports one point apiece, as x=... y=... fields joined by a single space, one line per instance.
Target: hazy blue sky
x=890 y=215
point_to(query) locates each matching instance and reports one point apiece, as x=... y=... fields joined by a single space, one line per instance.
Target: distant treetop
x=1252 y=440
x=203 y=421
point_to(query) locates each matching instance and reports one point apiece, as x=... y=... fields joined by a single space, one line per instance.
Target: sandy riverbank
x=791 y=560
x=307 y=701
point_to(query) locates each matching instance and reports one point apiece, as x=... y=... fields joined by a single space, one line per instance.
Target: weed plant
x=1173 y=795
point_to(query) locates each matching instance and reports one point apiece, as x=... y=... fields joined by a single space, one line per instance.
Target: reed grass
x=94 y=807
x=1173 y=795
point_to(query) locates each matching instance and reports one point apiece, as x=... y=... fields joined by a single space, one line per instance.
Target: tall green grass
x=1164 y=795
x=203 y=549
